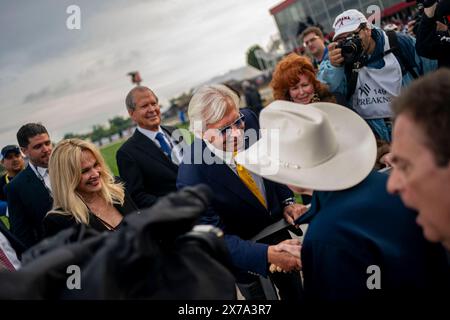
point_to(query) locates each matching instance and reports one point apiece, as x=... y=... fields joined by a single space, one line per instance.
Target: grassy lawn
x=109 y=153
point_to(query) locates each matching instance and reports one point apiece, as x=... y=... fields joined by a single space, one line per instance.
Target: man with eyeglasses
x=148 y=160
x=314 y=43
x=243 y=203
x=369 y=67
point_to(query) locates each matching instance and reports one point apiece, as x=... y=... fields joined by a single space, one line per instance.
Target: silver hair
x=209 y=104
x=129 y=100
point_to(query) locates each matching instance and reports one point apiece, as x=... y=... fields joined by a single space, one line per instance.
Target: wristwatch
x=288 y=202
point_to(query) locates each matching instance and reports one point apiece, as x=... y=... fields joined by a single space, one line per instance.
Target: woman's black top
x=55 y=222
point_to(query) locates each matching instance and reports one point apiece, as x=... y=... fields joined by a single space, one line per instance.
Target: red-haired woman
x=294 y=79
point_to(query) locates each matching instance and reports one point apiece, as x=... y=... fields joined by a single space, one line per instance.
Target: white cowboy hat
x=320 y=146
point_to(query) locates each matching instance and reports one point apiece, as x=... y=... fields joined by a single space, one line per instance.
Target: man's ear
x=24 y=151
x=208 y=136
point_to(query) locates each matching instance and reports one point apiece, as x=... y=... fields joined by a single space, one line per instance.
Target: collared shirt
x=228 y=159
x=42 y=174
x=176 y=151
x=9 y=252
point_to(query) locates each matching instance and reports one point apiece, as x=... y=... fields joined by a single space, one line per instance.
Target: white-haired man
x=243 y=203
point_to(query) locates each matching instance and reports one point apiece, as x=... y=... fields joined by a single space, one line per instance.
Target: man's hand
x=334 y=54
x=293 y=211
x=429 y=12
x=411 y=25
x=292 y=246
x=285 y=256
x=440 y=27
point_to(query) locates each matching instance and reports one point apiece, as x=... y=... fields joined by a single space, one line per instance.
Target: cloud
x=71 y=78
x=48 y=92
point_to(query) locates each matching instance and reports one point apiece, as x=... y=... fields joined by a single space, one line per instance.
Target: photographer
x=369 y=68
x=433 y=37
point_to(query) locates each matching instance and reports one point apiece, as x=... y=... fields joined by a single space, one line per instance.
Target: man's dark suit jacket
x=234 y=207
x=28 y=203
x=365 y=226
x=148 y=173
x=16 y=244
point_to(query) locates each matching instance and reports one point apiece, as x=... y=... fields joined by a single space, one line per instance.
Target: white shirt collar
x=42 y=174
x=39 y=170
x=149 y=133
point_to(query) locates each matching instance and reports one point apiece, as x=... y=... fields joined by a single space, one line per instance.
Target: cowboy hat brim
x=353 y=161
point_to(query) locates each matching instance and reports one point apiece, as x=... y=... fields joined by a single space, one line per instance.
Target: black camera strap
x=351 y=74
x=395 y=49
x=351 y=71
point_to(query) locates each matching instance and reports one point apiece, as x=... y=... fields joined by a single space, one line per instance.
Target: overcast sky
x=72 y=79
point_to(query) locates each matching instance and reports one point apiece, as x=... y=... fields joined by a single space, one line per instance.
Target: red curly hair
x=287 y=74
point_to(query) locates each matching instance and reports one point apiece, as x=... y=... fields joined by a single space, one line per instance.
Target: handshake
x=285 y=256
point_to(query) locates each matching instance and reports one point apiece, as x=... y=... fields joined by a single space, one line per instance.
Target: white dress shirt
x=42 y=174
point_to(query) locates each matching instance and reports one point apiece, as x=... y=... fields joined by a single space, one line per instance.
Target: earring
x=315 y=98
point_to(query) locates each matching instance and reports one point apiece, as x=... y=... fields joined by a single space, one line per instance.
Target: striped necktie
x=4 y=261
x=247 y=179
x=165 y=147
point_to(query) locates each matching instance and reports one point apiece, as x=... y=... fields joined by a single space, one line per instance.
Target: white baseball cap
x=348 y=21
x=321 y=146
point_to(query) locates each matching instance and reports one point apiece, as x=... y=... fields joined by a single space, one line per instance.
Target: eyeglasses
x=351 y=35
x=307 y=42
x=238 y=123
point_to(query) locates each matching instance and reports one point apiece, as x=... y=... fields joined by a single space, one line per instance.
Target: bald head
x=129 y=100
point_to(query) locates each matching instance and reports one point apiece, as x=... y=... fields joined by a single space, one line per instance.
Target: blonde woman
x=84 y=191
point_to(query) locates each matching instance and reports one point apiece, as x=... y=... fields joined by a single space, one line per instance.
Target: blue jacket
x=234 y=208
x=353 y=229
x=335 y=78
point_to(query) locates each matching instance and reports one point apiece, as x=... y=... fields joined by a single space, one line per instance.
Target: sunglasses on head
x=238 y=123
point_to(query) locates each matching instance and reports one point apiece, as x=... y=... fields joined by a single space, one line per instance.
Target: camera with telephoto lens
x=351 y=49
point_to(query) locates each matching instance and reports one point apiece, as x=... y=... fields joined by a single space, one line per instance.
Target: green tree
x=72 y=135
x=251 y=57
x=99 y=132
x=118 y=124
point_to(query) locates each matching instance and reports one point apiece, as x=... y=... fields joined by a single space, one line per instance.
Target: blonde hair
x=209 y=104
x=65 y=175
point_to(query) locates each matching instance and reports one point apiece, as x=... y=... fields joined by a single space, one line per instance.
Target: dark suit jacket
x=16 y=244
x=148 y=173
x=363 y=226
x=234 y=207
x=28 y=202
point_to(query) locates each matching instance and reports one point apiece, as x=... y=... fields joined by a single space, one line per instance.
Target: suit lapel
x=38 y=187
x=151 y=149
x=223 y=175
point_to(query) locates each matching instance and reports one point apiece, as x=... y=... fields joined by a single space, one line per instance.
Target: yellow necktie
x=247 y=179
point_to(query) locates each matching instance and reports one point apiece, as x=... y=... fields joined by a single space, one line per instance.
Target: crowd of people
x=368 y=99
